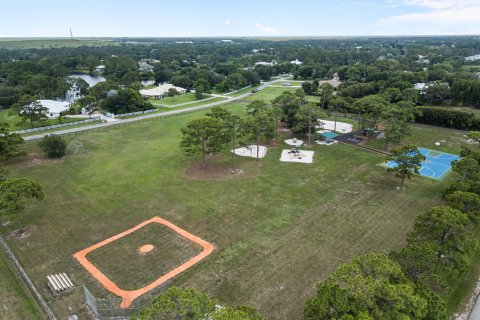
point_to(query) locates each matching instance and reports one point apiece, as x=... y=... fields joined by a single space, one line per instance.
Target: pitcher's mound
x=145 y=249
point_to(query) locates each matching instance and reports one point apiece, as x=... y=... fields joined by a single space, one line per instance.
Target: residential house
x=161 y=91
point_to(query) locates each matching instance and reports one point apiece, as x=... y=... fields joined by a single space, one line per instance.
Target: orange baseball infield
x=129 y=295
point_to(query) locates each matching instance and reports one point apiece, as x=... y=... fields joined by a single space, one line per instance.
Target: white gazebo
x=161 y=91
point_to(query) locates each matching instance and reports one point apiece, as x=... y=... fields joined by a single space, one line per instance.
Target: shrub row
x=449 y=118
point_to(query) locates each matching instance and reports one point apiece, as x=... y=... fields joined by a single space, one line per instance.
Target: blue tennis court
x=435 y=166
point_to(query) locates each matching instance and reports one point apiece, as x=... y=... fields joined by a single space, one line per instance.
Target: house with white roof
x=296 y=62
x=100 y=68
x=420 y=86
x=265 y=63
x=473 y=58
x=55 y=108
x=160 y=91
x=145 y=67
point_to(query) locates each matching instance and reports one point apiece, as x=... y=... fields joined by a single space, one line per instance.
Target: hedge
x=449 y=118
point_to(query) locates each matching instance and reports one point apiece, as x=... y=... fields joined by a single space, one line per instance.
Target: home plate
x=251 y=151
x=302 y=156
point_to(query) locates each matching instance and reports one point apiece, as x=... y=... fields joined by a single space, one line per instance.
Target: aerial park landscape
x=248 y=173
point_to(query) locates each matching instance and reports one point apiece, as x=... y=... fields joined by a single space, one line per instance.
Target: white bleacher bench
x=59 y=283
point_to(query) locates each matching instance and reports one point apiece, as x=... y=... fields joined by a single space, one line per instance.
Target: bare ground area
x=218 y=169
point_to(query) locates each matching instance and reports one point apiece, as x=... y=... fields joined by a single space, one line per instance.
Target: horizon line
x=237 y=37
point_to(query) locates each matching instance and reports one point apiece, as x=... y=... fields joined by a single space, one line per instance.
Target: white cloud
x=442 y=4
x=227 y=22
x=449 y=14
x=266 y=29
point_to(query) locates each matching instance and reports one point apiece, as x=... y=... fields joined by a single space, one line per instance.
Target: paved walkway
x=475 y=313
x=147 y=116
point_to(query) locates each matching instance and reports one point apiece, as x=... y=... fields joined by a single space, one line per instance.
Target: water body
x=73 y=94
x=91 y=80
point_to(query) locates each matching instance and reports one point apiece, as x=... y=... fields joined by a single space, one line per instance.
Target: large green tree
x=307 y=118
x=407 y=162
x=370 y=110
x=396 y=119
x=439 y=248
x=181 y=304
x=125 y=101
x=369 y=287
x=10 y=143
x=89 y=104
x=326 y=91
x=421 y=264
x=14 y=194
x=34 y=112
x=446 y=228
x=467 y=202
x=233 y=129
x=260 y=123
x=202 y=136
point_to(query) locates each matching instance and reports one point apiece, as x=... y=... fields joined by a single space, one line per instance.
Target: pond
x=91 y=80
x=73 y=94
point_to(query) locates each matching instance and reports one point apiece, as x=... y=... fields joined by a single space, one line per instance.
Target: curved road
x=149 y=116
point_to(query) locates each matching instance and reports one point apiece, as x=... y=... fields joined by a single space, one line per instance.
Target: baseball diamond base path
x=128 y=296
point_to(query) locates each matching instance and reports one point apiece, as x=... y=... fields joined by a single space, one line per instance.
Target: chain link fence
x=109 y=309
x=38 y=297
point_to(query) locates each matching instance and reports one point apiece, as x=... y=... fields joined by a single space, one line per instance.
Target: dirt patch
x=222 y=171
x=32 y=160
x=23 y=233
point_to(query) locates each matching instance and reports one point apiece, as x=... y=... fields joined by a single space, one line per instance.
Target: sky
x=241 y=18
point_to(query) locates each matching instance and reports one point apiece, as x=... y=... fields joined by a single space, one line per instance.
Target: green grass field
x=182 y=98
x=15 y=302
x=277 y=230
x=269 y=94
x=425 y=136
x=196 y=104
x=9 y=43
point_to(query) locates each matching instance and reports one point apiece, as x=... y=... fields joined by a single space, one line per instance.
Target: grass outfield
x=276 y=233
x=15 y=302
